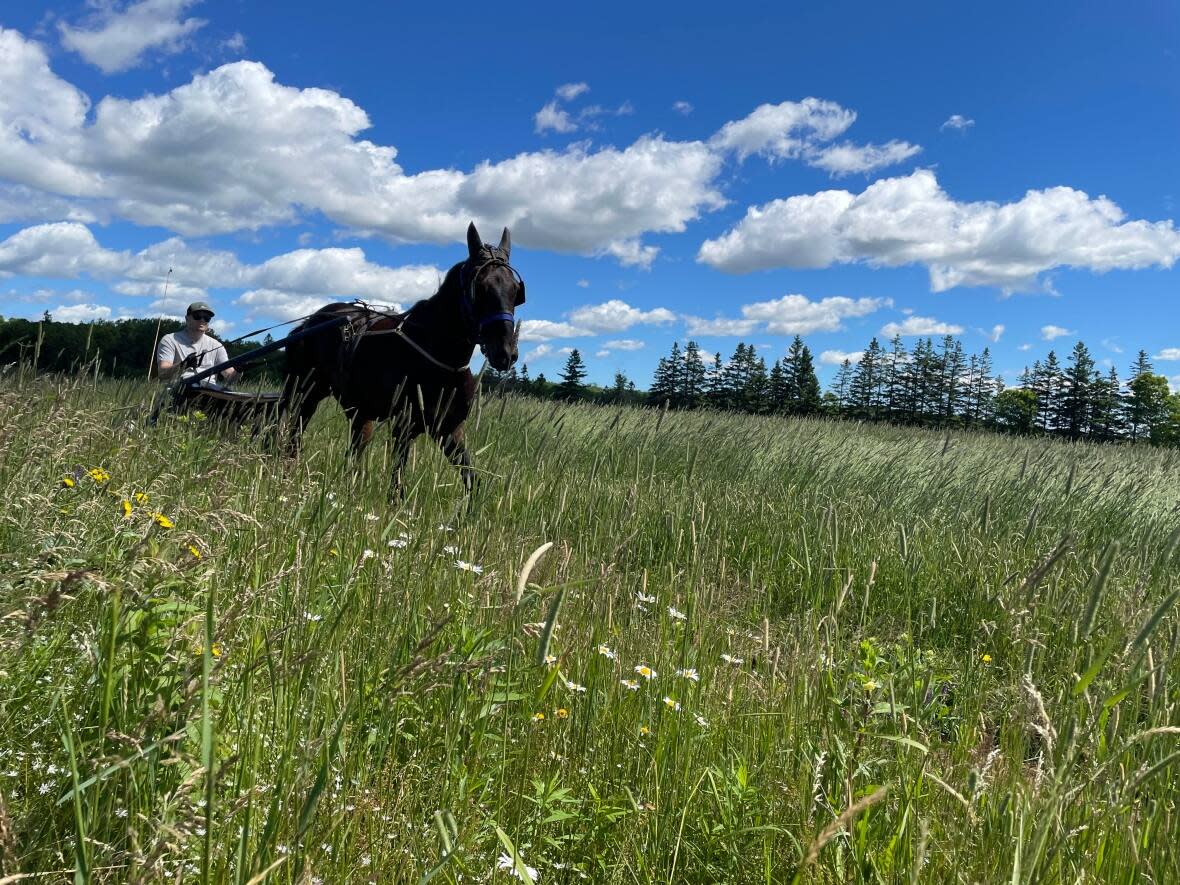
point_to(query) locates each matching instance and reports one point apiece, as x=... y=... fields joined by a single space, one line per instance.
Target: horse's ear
x=474 y=243
x=505 y=243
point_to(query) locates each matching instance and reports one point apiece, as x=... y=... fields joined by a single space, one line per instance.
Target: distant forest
x=931 y=385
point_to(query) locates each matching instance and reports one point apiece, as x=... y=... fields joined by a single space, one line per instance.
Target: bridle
x=488 y=258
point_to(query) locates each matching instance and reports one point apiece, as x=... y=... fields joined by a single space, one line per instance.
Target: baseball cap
x=197 y=306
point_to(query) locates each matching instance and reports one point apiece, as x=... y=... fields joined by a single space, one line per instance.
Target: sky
x=1003 y=172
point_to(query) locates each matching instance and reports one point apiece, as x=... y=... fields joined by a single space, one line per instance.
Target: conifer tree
x=693 y=391
x=572 y=376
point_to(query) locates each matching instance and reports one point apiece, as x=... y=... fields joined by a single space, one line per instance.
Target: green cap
x=198 y=306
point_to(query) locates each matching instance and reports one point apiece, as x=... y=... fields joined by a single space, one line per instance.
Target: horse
x=411 y=368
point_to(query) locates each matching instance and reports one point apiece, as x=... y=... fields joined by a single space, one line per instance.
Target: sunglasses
x=202 y=317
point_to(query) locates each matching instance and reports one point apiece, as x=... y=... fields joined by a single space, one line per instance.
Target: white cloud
x=617 y=316
x=545 y=351
x=80 y=313
x=911 y=220
x=570 y=91
x=683 y=108
x=631 y=253
x=957 y=122
x=837 y=357
x=281 y=305
x=916 y=325
x=1174 y=384
x=68 y=250
x=996 y=333
x=602 y=353
x=1025 y=347
x=846 y=159
x=625 y=344
x=784 y=131
x=1168 y=354
x=552 y=117
x=788 y=315
x=235 y=150
x=1051 y=332
x=1112 y=345
x=547 y=330
x=116 y=39
x=583 y=284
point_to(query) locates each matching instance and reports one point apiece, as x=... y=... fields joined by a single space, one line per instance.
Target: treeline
x=932 y=385
x=119 y=348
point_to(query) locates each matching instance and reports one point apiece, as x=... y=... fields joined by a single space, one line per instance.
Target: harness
x=488 y=258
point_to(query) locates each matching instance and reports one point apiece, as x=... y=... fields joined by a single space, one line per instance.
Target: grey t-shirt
x=176 y=347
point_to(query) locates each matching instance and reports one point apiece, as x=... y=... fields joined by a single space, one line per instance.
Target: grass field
x=758 y=650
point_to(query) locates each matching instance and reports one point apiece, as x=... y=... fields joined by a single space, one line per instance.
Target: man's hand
x=192 y=361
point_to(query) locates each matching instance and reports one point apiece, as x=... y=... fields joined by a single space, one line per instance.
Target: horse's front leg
x=454 y=446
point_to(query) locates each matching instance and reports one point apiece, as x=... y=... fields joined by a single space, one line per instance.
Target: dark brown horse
x=411 y=368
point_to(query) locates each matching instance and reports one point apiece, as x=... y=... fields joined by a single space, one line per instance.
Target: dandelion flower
x=645 y=671
x=676 y=613
x=672 y=705
x=163 y=521
x=140 y=497
x=607 y=653
x=125 y=506
x=730 y=659
x=99 y=475
x=334 y=551
x=194 y=552
x=987 y=659
x=562 y=713
x=629 y=684
x=538 y=717
x=644 y=731
x=689 y=674
x=68 y=482
x=468 y=567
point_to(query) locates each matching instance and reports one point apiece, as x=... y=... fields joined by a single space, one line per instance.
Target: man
x=192 y=350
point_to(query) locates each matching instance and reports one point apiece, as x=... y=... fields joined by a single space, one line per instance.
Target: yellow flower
x=192 y=549
x=99 y=475
x=333 y=552
x=215 y=650
x=987 y=659
x=871 y=686
x=198 y=415
x=125 y=506
x=644 y=731
x=538 y=717
x=163 y=521
x=563 y=713
x=68 y=482
x=672 y=705
x=140 y=497
x=645 y=671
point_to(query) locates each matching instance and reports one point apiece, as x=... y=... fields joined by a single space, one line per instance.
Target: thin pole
x=159 y=319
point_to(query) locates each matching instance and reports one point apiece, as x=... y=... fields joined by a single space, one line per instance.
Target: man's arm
x=221 y=356
x=167 y=364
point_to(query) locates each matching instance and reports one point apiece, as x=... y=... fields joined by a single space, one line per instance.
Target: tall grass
x=759 y=650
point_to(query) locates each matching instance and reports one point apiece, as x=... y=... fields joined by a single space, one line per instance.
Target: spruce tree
x=1075 y=405
x=572 y=376
x=694 y=376
x=810 y=398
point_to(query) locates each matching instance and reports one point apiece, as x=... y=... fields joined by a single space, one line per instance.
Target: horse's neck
x=444 y=328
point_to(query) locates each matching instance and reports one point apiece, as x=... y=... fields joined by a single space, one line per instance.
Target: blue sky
x=843 y=170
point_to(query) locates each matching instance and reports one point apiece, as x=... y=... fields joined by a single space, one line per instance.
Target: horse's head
x=492 y=290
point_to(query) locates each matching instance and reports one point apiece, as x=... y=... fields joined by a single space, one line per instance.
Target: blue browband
x=496 y=317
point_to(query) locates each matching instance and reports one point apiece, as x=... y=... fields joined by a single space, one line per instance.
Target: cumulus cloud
x=1051 y=332
x=956 y=122
x=66 y=250
x=617 y=316
x=552 y=117
x=80 y=313
x=916 y=325
x=116 y=39
x=837 y=357
x=545 y=351
x=547 y=330
x=784 y=131
x=1168 y=354
x=625 y=344
x=911 y=220
x=570 y=91
x=846 y=159
x=788 y=315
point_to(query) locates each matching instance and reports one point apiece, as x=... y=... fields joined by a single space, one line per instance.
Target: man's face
x=198 y=323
